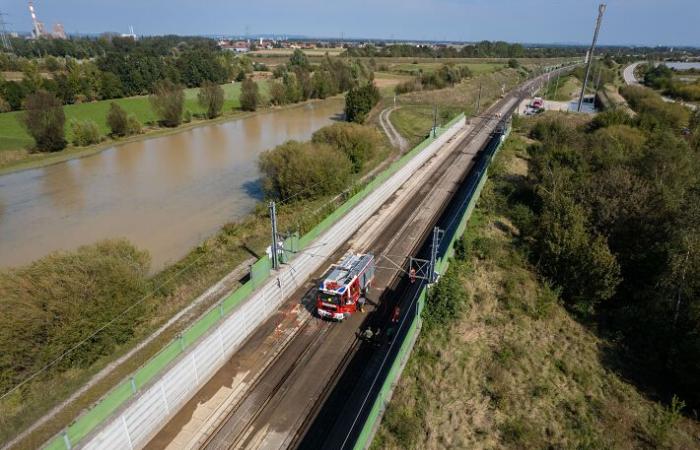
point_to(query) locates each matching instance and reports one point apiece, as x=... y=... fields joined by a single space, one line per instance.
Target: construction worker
x=361 y=304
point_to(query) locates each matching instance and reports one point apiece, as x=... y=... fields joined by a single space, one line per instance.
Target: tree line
x=296 y=81
x=483 y=49
x=611 y=216
x=120 y=67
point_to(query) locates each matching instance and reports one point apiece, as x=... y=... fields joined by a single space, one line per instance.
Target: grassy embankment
x=170 y=290
x=514 y=369
x=416 y=113
x=14 y=139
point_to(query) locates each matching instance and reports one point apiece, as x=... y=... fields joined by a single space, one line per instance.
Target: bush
x=117 y=120
x=357 y=142
x=133 y=126
x=513 y=63
x=278 y=93
x=249 y=95
x=44 y=120
x=211 y=98
x=359 y=102
x=84 y=132
x=4 y=106
x=303 y=170
x=168 y=102
x=54 y=303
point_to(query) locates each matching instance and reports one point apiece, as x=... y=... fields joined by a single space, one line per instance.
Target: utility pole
x=4 y=39
x=435 y=120
x=601 y=11
x=478 y=101
x=556 y=86
x=437 y=237
x=273 y=249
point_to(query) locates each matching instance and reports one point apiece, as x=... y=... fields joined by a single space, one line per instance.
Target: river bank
x=26 y=160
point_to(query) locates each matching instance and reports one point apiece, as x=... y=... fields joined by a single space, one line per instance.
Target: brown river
x=165 y=194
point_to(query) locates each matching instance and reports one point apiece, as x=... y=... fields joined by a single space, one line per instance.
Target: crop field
x=13 y=136
x=287 y=52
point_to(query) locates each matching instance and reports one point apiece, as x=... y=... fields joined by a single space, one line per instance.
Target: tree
x=168 y=101
x=117 y=120
x=299 y=59
x=304 y=170
x=110 y=86
x=357 y=142
x=211 y=98
x=360 y=101
x=278 y=93
x=44 y=119
x=84 y=132
x=249 y=95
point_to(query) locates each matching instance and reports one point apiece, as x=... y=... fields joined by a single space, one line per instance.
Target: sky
x=636 y=22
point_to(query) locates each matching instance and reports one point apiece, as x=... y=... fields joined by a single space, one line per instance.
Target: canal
x=165 y=194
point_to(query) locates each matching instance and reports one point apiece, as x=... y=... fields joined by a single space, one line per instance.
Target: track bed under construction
x=297 y=373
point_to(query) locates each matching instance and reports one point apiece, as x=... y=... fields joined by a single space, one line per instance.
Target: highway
x=293 y=361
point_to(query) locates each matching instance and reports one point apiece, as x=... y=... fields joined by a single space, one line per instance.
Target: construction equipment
x=343 y=286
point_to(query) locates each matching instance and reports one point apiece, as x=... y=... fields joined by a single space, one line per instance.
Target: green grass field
x=429 y=67
x=13 y=136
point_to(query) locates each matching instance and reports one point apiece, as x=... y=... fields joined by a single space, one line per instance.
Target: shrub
x=211 y=98
x=133 y=126
x=357 y=142
x=44 y=120
x=303 y=170
x=84 y=132
x=278 y=93
x=117 y=120
x=249 y=95
x=168 y=101
x=55 y=302
x=359 y=102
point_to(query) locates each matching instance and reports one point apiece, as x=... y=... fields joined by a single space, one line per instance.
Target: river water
x=164 y=194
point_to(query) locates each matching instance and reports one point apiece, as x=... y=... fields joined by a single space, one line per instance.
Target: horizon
x=642 y=23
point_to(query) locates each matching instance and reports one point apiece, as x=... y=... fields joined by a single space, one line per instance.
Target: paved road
x=628 y=73
x=630 y=79
x=392 y=133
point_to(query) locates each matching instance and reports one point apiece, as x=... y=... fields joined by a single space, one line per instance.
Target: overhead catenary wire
x=114 y=319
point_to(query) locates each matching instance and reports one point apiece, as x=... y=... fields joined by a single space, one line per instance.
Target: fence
x=146 y=400
x=475 y=183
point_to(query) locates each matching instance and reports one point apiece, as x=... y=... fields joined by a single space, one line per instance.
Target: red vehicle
x=538 y=103
x=344 y=284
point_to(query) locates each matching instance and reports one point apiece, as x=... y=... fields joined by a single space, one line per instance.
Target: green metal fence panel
x=260 y=270
x=56 y=443
x=237 y=296
x=157 y=363
x=100 y=412
x=201 y=326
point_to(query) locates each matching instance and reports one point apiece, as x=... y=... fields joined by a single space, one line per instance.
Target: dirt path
x=394 y=136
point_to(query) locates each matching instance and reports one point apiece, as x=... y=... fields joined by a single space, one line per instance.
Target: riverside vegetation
x=60 y=300
x=569 y=316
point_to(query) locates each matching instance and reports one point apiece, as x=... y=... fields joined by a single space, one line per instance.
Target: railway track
x=287 y=396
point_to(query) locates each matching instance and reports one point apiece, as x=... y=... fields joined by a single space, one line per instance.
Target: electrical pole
x=556 y=86
x=437 y=237
x=478 y=101
x=435 y=120
x=273 y=248
x=4 y=39
x=601 y=11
